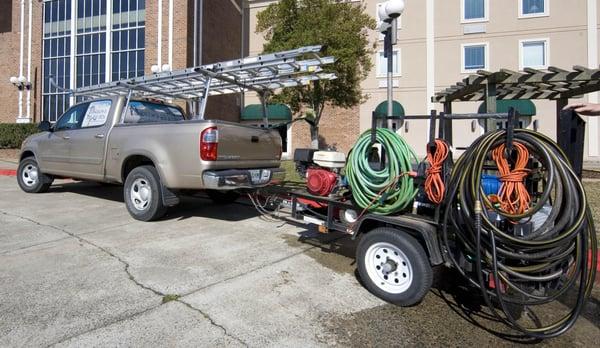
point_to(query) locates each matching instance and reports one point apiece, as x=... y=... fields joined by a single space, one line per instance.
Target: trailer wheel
x=142 y=193
x=393 y=266
x=222 y=197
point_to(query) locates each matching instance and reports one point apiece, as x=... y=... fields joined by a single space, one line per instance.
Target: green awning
x=381 y=109
x=523 y=106
x=279 y=112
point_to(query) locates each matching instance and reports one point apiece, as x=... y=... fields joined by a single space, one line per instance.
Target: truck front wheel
x=30 y=178
x=142 y=193
x=393 y=266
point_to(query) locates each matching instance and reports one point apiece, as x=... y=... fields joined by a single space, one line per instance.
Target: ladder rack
x=260 y=74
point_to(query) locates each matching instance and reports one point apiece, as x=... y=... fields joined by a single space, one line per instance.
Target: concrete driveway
x=76 y=270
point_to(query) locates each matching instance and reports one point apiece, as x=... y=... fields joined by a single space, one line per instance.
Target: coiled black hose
x=533 y=269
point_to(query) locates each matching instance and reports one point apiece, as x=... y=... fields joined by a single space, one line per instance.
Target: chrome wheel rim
x=30 y=175
x=388 y=267
x=140 y=194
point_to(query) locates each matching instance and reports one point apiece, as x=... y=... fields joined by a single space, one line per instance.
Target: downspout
x=159 y=37
x=171 y=34
x=29 y=119
x=21 y=57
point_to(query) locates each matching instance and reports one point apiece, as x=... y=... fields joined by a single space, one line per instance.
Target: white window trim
x=399 y=55
x=546 y=12
x=486 y=12
x=486 y=52
x=546 y=53
x=381 y=36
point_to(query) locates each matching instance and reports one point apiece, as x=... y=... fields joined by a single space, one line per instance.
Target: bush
x=13 y=134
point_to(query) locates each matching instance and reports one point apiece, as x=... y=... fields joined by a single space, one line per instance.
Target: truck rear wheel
x=393 y=266
x=30 y=178
x=143 y=195
x=222 y=197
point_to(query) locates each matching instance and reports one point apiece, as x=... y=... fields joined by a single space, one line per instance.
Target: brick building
x=86 y=42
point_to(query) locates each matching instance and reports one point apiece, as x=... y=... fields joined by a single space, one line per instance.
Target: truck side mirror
x=45 y=126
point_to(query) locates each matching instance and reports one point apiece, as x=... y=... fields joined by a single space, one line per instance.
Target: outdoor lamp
x=391 y=10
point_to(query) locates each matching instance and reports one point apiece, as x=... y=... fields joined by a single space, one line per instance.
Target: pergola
x=531 y=84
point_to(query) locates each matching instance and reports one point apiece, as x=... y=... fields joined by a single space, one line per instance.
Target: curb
x=8 y=172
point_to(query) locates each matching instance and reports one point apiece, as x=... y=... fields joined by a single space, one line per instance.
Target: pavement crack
x=213 y=322
x=99 y=247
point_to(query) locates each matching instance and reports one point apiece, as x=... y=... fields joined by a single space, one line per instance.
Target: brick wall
x=9 y=59
x=222 y=40
x=338 y=129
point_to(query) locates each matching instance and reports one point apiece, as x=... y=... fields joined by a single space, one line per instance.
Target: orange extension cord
x=434 y=184
x=513 y=195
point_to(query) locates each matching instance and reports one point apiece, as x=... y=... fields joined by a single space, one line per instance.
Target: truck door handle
x=99 y=136
x=254 y=139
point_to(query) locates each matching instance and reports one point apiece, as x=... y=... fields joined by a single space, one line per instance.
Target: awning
x=523 y=106
x=381 y=109
x=279 y=112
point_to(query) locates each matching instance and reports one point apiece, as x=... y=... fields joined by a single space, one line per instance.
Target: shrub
x=13 y=134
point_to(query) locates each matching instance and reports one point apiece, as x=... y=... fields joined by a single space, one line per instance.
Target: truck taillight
x=209 y=143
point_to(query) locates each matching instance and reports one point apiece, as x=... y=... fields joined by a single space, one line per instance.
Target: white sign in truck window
x=96 y=114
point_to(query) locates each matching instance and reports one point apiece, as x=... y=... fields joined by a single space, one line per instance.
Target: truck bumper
x=232 y=179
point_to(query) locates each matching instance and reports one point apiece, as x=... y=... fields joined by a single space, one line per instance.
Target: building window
x=382 y=64
x=101 y=52
x=91 y=42
x=474 y=10
x=534 y=54
x=56 y=57
x=533 y=8
x=128 y=39
x=474 y=57
x=7 y=12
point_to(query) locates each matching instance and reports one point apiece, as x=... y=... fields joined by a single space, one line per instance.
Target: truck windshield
x=147 y=112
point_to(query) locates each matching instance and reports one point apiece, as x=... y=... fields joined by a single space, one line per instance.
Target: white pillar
x=592 y=36
x=21 y=49
x=28 y=118
x=73 y=37
x=430 y=52
x=107 y=56
x=171 y=34
x=159 y=36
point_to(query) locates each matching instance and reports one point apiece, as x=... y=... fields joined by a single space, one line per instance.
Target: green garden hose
x=390 y=189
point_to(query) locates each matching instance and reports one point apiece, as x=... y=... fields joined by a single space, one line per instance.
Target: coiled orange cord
x=513 y=195
x=434 y=184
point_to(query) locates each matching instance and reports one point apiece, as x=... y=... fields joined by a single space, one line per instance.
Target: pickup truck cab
x=153 y=150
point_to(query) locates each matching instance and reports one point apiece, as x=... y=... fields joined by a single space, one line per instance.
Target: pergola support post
x=447 y=123
x=570 y=135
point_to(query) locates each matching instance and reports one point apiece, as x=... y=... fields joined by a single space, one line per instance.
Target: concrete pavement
x=76 y=270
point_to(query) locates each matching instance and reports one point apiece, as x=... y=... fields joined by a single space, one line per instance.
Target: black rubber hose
x=555 y=257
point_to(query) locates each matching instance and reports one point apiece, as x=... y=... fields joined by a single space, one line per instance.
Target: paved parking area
x=76 y=270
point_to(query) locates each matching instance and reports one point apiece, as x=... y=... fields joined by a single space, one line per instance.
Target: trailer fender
x=425 y=232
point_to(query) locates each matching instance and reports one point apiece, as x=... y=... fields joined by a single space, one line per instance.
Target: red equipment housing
x=320 y=182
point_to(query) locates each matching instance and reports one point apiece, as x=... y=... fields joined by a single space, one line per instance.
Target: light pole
x=388 y=13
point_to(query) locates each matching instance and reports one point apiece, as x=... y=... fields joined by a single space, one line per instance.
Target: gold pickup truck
x=153 y=150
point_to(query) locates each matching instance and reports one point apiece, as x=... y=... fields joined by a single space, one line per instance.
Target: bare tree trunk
x=314 y=137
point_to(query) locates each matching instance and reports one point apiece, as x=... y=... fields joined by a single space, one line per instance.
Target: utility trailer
x=517 y=260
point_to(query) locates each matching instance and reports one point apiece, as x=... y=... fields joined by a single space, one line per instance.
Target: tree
x=342 y=29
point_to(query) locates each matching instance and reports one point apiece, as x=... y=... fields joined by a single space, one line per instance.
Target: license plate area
x=260 y=176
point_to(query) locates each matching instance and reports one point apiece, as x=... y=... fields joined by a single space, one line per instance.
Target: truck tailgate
x=245 y=143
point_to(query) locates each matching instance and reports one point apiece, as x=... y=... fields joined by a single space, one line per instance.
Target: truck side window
x=96 y=114
x=147 y=112
x=72 y=118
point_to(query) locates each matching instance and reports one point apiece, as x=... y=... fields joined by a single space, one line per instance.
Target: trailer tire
x=393 y=266
x=222 y=197
x=143 y=195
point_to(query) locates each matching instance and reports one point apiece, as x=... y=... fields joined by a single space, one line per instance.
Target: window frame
x=546 y=12
x=398 y=62
x=486 y=56
x=486 y=13
x=87 y=103
x=546 y=42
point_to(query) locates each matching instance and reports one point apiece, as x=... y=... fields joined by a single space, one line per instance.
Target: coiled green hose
x=385 y=191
